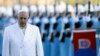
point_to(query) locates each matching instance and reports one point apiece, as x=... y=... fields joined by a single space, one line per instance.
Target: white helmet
x=9 y=11
x=41 y=9
x=17 y=7
x=71 y=8
x=3 y=10
x=99 y=7
x=81 y=8
x=91 y=7
x=57 y=8
x=33 y=8
x=25 y=8
x=50 y=9
x=96 y=8
x=62 y=8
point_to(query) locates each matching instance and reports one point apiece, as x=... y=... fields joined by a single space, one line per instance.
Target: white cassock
x=15 y=43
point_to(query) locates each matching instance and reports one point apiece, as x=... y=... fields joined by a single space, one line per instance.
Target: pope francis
x=22 y=38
